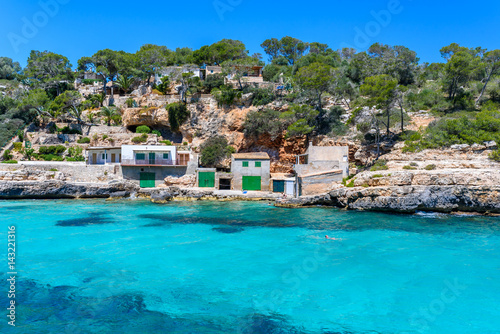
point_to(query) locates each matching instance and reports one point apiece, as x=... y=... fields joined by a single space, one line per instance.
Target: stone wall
x=70 y=172
x=318 y=184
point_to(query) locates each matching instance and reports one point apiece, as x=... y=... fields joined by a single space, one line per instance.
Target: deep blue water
x=240 y=267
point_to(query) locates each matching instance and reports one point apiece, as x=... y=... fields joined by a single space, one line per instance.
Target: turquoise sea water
x=134 y=267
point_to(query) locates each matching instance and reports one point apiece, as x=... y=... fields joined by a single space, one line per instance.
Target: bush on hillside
x=140 y=139
x=214 y=150
x=485 y=126
x=84 y=140
x=143 y=129
x=178 y=113
x=267 y=121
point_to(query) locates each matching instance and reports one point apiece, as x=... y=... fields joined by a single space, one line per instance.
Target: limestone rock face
x=408 y=199
x=59 y=189
x=152 y=117
x=186 y=181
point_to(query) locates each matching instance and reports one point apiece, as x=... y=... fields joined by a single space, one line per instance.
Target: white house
x=103 y=155
x=168 y=71
x=149 y=165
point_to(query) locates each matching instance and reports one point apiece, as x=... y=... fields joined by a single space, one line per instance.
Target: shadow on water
x=62 y=309
x=324 y=220
x=16 y=208
x=94 y=218
x=228 y=230
x=163 y=220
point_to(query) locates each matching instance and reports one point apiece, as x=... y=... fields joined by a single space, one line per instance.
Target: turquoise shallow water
x=135 y=267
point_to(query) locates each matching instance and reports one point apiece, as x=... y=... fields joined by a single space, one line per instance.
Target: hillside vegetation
x=367 y=96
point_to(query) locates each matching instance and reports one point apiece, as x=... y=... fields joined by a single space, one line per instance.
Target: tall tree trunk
x=402 y=118
x=484 y=87
x=388 y=120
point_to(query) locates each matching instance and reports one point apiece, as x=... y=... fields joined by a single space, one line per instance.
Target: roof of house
x=251 y=156
x=103 y=148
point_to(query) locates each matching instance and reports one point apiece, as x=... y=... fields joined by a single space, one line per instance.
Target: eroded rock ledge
x=60 y=189
x=118 y=190
x=408 y=199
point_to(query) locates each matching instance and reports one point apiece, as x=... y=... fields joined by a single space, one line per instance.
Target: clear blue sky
x=80 y=28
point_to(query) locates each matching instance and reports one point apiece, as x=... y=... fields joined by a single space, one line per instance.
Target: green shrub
x=117 y=119
x=140 y=139
x=90 y=81
x=226 y=95
x=495 y=155
x=9 y=162
x=484 y=126
x=143 y=129
x=262 y=96
x=51 y=157
x=213 y=81
x=377 y=176
x=164 y=87
x=345 y=179
x=104 y=137
x=59 y=149
x=7 y=155
x=350 y=184
x=67 y=131
x=130 y=102
x=408 y=167
x=166 y=142
x=185 y=143
x=426 y=100
x=20 y=135
x=267 y=121
x=214 y=150
x=18 y=146
x=156 y=132
x=430 y=167
x=75 y=154
x=78 y=158
x=413 y=164
x=379 y=165
x=178 y=113
x=53 y=170
x=84 y=140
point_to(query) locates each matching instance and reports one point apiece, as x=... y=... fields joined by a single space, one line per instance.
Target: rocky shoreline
x=481 y=199
x=12 y=190
x=407 y=199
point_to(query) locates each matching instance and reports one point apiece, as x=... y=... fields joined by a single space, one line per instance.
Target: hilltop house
x=320 y=167
x=251 y=171
x=150 y=165
x=254 y=74
x=168 y=71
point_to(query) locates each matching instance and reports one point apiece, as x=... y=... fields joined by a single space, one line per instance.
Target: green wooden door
x=148 y=180
x=206 y=179
x=152 y=158
x=279 y=186
x=252 y=183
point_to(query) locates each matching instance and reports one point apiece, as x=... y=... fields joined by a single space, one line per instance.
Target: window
x=140 y=156
x=165 y=156
x=245 y=163
x=104 y=156
x=258 y=164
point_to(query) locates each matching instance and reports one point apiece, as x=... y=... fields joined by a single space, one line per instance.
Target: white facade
x=197 y=72
x=149 y=155
x=103 y=156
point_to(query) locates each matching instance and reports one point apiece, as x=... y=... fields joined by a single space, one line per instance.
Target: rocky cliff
x=59 y=189
x=408 y=199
